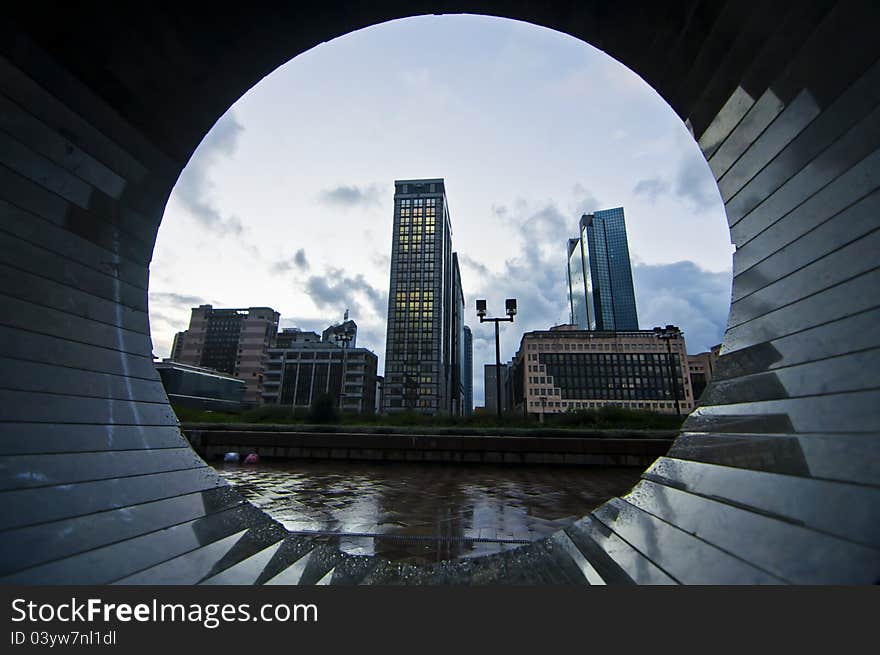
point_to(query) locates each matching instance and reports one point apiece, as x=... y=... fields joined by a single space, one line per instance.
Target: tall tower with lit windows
x=422 y=363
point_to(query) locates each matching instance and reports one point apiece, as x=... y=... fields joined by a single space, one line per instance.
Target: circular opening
x=288 y=204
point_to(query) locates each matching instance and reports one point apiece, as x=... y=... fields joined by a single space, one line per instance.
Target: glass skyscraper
x=425 y=331
x=468 y=371
x=600 y=287
x=577 y=281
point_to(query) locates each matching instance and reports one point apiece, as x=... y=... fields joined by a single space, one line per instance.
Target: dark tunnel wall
x=774 y=480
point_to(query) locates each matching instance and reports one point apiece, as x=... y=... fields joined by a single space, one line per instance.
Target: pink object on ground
x=253 y=458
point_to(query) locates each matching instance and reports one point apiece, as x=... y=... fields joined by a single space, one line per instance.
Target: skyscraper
x=468 y=371
x=577 y=281
x=425 y=304
x=602 y=284
x=455 y=383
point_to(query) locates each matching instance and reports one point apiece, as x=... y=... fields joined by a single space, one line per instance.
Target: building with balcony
x=295 y=376
x=231 y=341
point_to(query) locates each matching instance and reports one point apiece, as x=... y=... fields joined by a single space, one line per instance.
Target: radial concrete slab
x=774 y=480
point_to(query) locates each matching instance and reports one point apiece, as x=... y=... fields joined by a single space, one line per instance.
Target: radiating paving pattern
x=774 y=480
x=420 y=513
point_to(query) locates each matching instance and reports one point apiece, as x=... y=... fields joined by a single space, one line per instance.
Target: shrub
x=268 y=414
x=323 y=409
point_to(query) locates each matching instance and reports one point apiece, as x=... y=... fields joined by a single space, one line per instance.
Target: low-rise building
x=565 y=368
x=200 y=388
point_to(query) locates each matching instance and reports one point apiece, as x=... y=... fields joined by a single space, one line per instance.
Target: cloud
x=694 y=184
x=534 y=275
x=297 y=261
x=381 y=260
x=680 y=293
x=691 y=183
x=584 y=203
x=696 y=300
x=169 y=298
x=651 y=188
x=347 y=197
x=194 y=188
x=465 y=260
x=305 y=324
x=338 y=291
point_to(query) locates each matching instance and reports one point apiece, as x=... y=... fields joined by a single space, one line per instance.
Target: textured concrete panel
x=771 y=482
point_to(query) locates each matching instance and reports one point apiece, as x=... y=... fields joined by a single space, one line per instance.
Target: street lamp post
x=345 y=337
x=543 y=405
x=510 y=310
x=669 y=333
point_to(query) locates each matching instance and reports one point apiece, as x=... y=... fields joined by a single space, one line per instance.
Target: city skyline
x=278 y=218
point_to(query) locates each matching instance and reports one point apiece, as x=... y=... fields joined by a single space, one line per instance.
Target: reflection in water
x=425 y=512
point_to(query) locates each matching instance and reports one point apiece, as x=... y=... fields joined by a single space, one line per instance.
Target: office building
x=425 y=305
x=177 y=346
x=455 y=372
x=577 y=285
x=490 y=386
x=701 y=368
x=291 y=337
x=296 y=375
x=468 y=371
x=232 y=341
x=380 y=392
x=565 y=368
x=347 y=330
x=600 y=284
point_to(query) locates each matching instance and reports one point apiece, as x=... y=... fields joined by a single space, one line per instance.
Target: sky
x=288 y=200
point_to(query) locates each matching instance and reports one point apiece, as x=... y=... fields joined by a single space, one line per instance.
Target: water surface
x=421 y=512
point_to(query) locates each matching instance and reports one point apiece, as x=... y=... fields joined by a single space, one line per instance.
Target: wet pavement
x=420 y=513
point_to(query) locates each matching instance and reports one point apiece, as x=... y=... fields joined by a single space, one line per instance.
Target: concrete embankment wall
x=617 y=448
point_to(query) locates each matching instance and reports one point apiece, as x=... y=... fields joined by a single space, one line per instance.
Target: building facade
x=565 y=369
x=425 y=304
x=347 y=329
x=468 y=371
x=701 y=368
x=380 y=393
x=233 y=341
x=577 y=285
x=292 y=337
x=456 y=382
x=601 y=295
x=491 y=388
x=298 y=374
x=177 y=346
